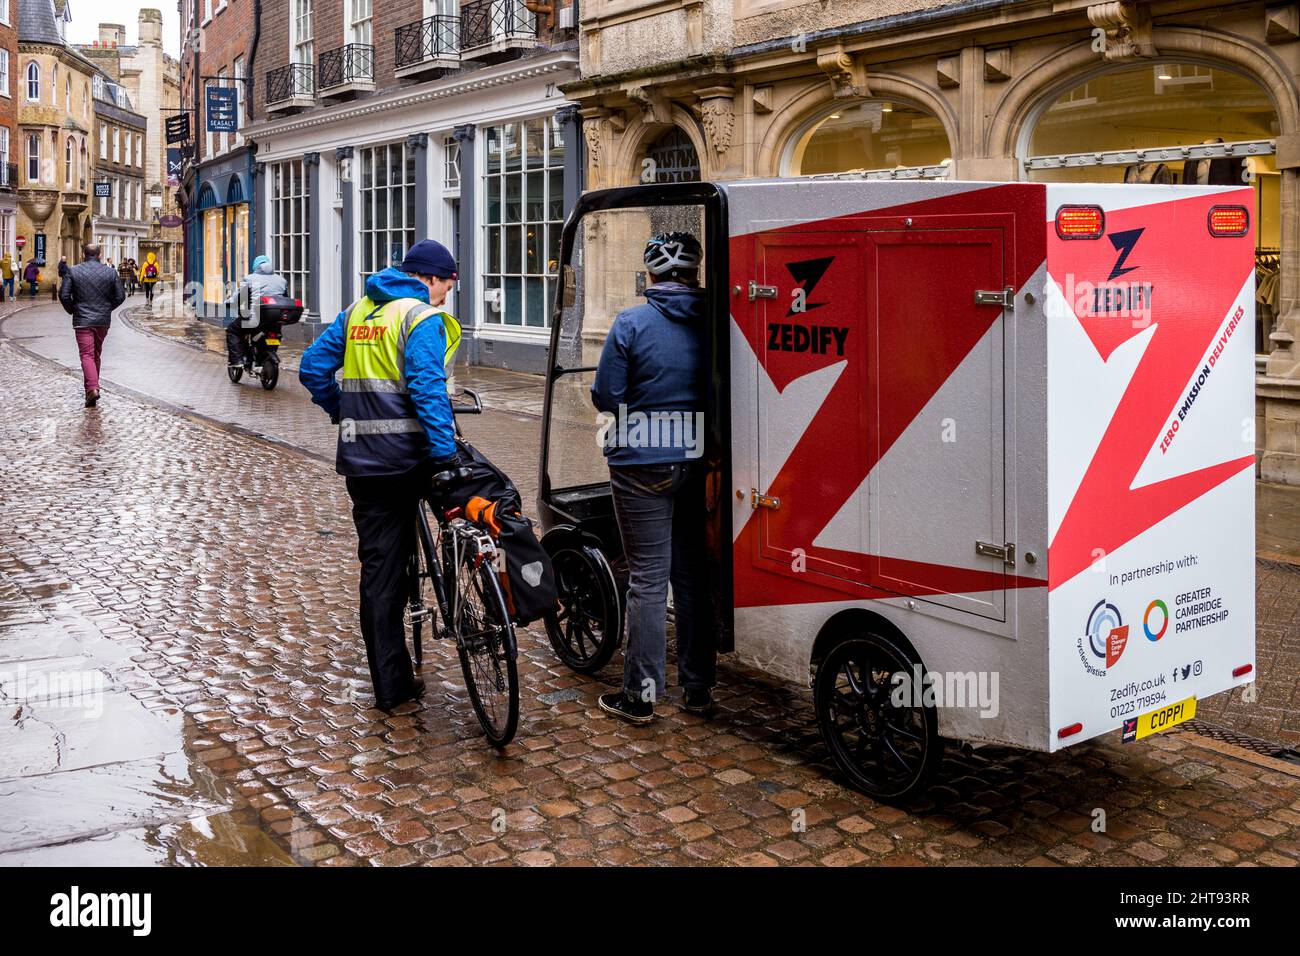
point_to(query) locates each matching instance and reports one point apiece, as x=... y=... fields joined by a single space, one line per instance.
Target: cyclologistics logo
x=1162 y=616
x=1107 y=636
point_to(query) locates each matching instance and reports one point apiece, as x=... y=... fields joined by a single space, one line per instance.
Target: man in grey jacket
x=89 y=292
x=261 y=281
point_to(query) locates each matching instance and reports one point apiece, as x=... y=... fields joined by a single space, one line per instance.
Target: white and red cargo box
x=1012 y=423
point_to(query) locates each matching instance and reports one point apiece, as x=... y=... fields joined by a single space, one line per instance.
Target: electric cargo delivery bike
x=961 y=437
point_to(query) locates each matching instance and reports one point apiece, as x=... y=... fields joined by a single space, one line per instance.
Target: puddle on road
x=96 y=767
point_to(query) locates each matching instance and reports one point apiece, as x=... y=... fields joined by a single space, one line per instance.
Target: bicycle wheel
x=421 y=601
x=485 y=639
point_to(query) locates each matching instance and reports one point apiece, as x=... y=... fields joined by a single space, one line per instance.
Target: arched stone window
x=672 y=158
x=875 y=135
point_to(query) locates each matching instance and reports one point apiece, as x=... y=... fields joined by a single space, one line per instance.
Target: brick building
x=220 y=41
x=378 y=124
x=8 y=128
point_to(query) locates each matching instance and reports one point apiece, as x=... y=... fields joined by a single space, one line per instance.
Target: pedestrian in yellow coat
x=149 y=276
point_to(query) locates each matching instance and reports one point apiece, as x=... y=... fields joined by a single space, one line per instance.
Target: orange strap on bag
x=484 y=512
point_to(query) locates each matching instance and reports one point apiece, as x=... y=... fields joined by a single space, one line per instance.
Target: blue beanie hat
x=429 y=258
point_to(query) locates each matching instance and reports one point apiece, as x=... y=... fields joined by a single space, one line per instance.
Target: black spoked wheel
x=235 y=372
x=586 y=628
x=485 y=639
x=886 y=743
x=270 y=372
x=421 y=600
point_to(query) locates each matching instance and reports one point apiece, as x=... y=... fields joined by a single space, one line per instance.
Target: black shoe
x=92 y=397
x=417 y=691
x=620 y=705
x=698 y=701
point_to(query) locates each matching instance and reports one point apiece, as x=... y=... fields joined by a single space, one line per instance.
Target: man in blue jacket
x=396 y=430
x=650 y=385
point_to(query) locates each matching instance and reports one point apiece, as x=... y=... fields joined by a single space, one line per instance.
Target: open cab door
x=602 y=273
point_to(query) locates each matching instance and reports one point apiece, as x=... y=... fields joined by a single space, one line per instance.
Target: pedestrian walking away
x=149 y=276
x=89 y=292
x=392 y=347
x=653 y=363
x=261 y=281
x=32 y=276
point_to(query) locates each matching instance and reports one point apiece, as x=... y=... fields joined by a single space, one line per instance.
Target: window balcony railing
x=429 y=44
x=8 y=177
x=290 y=85
x=351 y=66
x=490 y=27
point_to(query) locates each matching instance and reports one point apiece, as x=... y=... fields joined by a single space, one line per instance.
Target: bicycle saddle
x=445 y=481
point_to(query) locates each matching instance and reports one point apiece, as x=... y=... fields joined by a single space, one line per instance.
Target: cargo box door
x=935 y=403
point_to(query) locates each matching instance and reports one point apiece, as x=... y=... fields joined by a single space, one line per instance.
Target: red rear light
x=1243 y=670
x=1080 y=222
x=298 y=303
x=267 y=300
x=1069 y=731
x=1229 y=221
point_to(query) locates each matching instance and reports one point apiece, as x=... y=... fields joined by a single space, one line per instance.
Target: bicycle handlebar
x=475 y=409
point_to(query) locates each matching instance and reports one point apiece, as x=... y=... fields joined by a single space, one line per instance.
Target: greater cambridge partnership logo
x=76 y=909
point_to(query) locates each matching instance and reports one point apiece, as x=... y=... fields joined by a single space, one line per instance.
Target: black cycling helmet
x=671 y=253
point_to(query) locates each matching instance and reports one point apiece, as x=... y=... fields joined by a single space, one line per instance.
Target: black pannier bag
x=490 y=500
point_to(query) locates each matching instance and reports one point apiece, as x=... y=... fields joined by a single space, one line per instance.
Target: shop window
x=671 y=159
x=1131 y=113
x=290 y=225
x=524 y=186
x=387 y=197
x=873 y=136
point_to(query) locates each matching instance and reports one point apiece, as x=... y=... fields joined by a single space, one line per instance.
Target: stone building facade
x=120 y=204
x=1046 y=90
x=151 y=79
x=55 y=120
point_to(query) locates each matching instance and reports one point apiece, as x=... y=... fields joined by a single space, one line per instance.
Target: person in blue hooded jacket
x=396 y=430
x=650 y=387
x=263 y=280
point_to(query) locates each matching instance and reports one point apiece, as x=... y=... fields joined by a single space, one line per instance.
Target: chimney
x=111 y=34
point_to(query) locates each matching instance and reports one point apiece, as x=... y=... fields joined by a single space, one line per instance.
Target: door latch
x=757 y=291
x=757 y=501
x=1003 y=297
x=1006 y=553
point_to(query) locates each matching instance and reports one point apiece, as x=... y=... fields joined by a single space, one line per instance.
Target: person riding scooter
x=261 y=281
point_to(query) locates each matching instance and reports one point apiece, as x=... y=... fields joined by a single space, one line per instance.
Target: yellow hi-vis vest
x=379 y=429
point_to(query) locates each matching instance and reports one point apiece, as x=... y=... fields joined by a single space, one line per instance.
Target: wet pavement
x=208 y=578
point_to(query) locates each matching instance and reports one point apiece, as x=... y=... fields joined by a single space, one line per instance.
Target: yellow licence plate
x=1158 y=721
x=272 y=341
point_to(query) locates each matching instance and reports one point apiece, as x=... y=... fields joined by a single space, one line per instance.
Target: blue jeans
x=9 y=288
x=661 y=516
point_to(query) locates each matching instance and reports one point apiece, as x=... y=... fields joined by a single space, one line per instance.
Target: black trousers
x=237 y=350
x=384 y=509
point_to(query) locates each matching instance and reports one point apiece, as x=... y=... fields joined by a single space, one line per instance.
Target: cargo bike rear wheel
x=884 y=739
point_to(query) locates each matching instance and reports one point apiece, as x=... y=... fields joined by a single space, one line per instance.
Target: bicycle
x=454 y=570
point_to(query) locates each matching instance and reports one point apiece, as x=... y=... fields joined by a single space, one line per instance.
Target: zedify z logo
x=1106 y=636
x=1129 y=298
x=796 y=335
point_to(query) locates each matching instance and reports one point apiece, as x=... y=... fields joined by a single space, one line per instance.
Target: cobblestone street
x=208 y=576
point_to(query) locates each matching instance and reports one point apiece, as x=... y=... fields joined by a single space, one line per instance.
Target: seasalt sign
x=75 y=908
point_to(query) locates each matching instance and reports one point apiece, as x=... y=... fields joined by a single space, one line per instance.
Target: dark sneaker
x=92 y=397
x=620 y=705
x=698 y=701
x=417 y=691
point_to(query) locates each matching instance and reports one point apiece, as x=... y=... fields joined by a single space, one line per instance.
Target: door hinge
x=757 y=291
x=1006 y=553
x=757 y=501
x=1004 y=297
